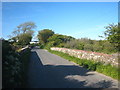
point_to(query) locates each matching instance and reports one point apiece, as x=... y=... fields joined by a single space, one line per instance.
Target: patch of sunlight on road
x=75 y=77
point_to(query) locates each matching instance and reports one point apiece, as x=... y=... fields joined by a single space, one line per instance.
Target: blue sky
x=77 y=19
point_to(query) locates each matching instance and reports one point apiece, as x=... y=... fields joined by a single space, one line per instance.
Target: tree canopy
x=57 y=38
x=24 y=39
x=27 y=26
x=22 y=35
x=44 y=34
x=113 y=35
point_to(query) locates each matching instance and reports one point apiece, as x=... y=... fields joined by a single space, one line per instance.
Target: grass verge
x=92 y=65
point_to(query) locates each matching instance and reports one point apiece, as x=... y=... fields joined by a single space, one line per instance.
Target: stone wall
x=98 y=57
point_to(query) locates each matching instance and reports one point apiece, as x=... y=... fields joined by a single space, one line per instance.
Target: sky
x=60 y=0
x=77 y=19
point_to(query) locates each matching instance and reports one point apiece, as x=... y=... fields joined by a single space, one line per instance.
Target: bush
x=88 y=47
x=103 y=46
x=13 y=66
x=61 y=45
x=57 y=40
x=73 y=44
x=41 y=46
x=49 y=45
x=80 y=46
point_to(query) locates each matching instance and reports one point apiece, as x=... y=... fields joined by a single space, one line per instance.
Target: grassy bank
x=91 y=65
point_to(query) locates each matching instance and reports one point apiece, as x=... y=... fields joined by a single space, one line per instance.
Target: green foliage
x=82 y=44
x=72 y=44
x=113 y=35
x=12 y=66
x=41 y=46
x=32 y=45
x=6 y=47
x=23 y=33
x=50 y=44
x=44 y=34
x=57 y=40
x=108 y=47
x=103 y=46
x=97 y=48
x=108 y=70
x=24 y=39
x=91 y=65
x=61 y=45
x=88 y=47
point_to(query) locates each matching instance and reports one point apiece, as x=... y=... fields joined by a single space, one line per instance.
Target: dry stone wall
x=98 y=57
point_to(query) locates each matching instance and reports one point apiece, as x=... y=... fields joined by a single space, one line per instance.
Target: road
x=47 y=70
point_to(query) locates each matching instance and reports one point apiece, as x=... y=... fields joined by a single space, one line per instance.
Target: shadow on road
x=58 y=76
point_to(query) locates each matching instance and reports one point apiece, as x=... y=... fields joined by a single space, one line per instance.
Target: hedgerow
x=14 y=65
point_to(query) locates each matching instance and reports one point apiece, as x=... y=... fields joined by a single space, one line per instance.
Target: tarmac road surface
x=47 y=70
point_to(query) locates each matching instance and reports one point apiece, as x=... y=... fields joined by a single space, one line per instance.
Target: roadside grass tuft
x=108 y=70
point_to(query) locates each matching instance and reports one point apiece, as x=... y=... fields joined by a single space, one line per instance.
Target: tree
x=24 y=39
x=26 y=27
x=22 y=35
x=63 y=38
x=57 y=40
x=44 y=34
x=113 y=35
